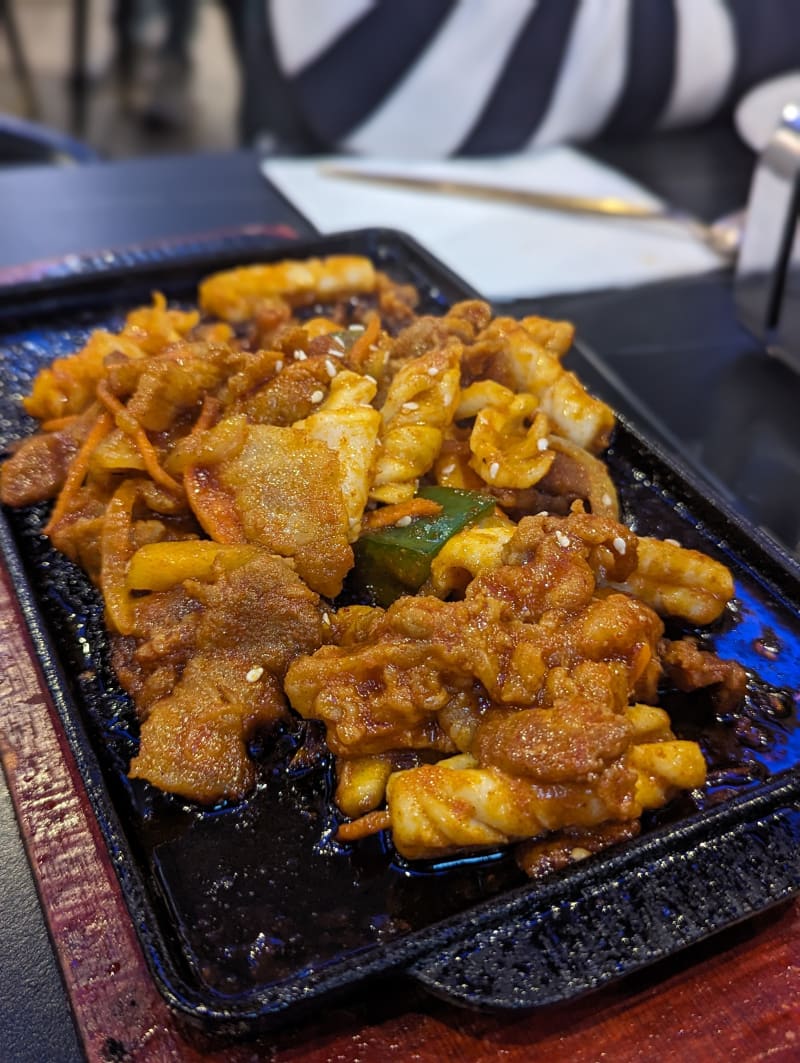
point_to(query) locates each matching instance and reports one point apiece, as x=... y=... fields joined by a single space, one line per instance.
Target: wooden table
x=736 y=997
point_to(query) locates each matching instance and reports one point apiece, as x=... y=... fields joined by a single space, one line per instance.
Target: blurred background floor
x=117 y=125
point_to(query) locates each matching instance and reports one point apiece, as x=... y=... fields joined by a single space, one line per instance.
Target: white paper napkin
x=504 y=251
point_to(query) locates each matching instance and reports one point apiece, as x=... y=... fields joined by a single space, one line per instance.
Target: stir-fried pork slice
x=194 y=742
x=280 y=488
x=373 y=697
x=37 y=467
x=691 y=668
x=570 y=741
x=149 y=666
x=374 y=693
x=541 y=856
x=246 y=628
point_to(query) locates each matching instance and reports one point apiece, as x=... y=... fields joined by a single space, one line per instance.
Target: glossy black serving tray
x=251 y=914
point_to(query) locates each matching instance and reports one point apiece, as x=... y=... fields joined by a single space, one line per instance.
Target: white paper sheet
x=504 y=251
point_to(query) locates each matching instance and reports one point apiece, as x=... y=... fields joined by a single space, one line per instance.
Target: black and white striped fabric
x=432 y=78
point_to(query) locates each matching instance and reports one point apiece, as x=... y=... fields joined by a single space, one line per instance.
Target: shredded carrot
x=372 y=823
x=151 y=463
x=361 y=347
x=78 y=468
x=57 y=423
x=208 y=414
x=131 y=427
x=386 y=516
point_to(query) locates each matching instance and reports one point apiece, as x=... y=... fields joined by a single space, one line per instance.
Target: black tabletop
x=47 y=211
x=670 y=356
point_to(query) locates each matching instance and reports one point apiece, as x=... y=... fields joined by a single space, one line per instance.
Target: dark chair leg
x=79 y=74
x=19 y=61
x=124 y=41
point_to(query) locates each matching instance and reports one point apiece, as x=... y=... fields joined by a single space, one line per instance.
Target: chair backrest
x=23 y=143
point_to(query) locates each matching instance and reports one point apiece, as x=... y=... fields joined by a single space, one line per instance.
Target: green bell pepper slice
x=391 y=562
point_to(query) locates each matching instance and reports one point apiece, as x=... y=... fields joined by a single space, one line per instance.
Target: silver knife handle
x=766 y=288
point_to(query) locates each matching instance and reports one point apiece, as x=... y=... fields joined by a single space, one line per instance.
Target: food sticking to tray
x=393 y=649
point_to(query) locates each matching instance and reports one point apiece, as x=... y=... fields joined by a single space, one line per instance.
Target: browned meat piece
x=514 y=640
x=282 y=489
x=373 y=698
x=288 y=396
x=270 y=316
x=487 y=359
x=568 y=742
x=149 y=667
x=554 y=493
x=195 y=744
x=396 y=302
x=78 y=534
x=37 y=468
x=608 y=546
x=462 y=322
x=354 y=623
x=230 y=653
x=466 y=319
x=261 y=613
x=425 y=334
x=174 y=382
x=544 y=855
x=691 y=668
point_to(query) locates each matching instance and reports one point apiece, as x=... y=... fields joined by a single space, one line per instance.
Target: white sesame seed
x=331 y=368
x=403 y=522
x=619 y=545
x=317 y=396
x=338 y=341
x=606 y=500
x=356 y=328
x=562 y=539
x=494 y=469
x=326 y=618
x=579 y=853
x=672 y=542
x=278 y=366
x=410 y=405
x=433 y=371
x=371 y=379
x=254 y=674
x=300 y=356
x=449 y=468
x=541 y=444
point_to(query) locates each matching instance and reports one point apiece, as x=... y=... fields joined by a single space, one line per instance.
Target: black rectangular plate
x=251 y=914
